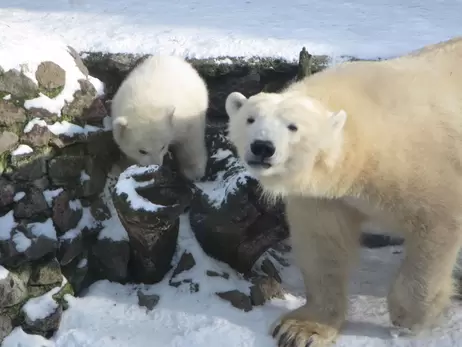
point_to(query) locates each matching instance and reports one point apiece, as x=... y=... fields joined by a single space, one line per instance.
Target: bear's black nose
x=262 y=149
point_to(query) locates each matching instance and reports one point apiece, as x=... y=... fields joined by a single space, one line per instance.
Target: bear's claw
x=295 y=333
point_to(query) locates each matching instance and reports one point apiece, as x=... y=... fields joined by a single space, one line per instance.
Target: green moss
x=3 y=94
x=52 y=92
x=59 y=297
x=4 y=161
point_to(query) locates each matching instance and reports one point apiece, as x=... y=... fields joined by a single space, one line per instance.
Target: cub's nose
x=262 y=149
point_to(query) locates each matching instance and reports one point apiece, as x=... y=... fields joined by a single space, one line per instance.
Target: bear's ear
x=337 y=121
x=234 y=102
x=119 y=125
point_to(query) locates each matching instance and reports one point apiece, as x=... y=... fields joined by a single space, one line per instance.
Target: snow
x=42 y=306
x=3 y=273
x=7 y=223
x=109 y=316
x=22 y=150
x=22 y=243
x=209 y=28
x=218 y=190
x=45 y=229
x=63 y=127
x=49 y=195
x=84 y=176
x=18 y=196
x=75 y=205
x=113 y=228
x=127 y=185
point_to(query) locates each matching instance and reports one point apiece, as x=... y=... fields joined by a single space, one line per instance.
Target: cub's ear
x=170 y=114
x=119 y=125
x=234 y=102
x=338 y=120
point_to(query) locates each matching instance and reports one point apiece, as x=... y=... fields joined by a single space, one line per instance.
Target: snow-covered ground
x=211 y=28
x=109 y=315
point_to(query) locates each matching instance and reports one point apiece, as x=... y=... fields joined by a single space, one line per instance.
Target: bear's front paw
x=301 y=333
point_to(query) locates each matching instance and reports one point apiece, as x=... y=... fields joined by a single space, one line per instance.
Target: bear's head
x=282 y=137
x=145 y=139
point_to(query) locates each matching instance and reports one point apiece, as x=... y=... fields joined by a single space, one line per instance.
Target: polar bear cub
x=162 y=103
x=376 y=142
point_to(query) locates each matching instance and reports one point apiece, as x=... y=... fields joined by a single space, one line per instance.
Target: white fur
x=377 y=142
x=162 y=103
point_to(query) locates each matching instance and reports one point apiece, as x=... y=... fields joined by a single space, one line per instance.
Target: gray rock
x=50 y=76
x=70 y=248
x=31 y=166
x=65 y=216
x=237 y=299
x=99 y=210
x=153 y=234
x=38 y=136
x=7 y=192
x=95 y=113
x=263 y=289
x=33 y=204
x=78 y=60
x=268 y=268
x=186 y=263
x=212 y=273
x=7 y=141
x=66 y=168
x=12 y=290
x=10 y=114
x=6 y=324
x=46 y=273
x=147 y=300
x=110 y=258
x=17 y=84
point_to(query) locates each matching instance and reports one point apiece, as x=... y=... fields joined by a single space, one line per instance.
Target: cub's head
x=279 y=136
x=144 y=140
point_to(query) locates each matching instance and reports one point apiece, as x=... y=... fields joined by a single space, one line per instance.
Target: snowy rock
x=149 y=201
x=16 y=83
x=82 y=99
x=230 y=220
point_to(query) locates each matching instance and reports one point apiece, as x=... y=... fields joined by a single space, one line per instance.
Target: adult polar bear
x=363 y=141
x=162 y=103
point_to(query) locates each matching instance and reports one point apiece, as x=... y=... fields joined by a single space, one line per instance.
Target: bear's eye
x=292 y=127
x=250 y=120
x=143 y=152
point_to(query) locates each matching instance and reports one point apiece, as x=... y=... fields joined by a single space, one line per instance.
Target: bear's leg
x=325 y=239
x=424 y=285
x=191 y=153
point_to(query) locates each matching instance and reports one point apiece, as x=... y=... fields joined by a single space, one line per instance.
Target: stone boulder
x=149 y=201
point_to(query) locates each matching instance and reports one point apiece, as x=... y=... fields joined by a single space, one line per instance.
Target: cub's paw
x=301 y=333
x=193 y=172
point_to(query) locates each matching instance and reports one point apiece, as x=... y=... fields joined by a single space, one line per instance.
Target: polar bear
x=162 y=102
x=376 y=142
